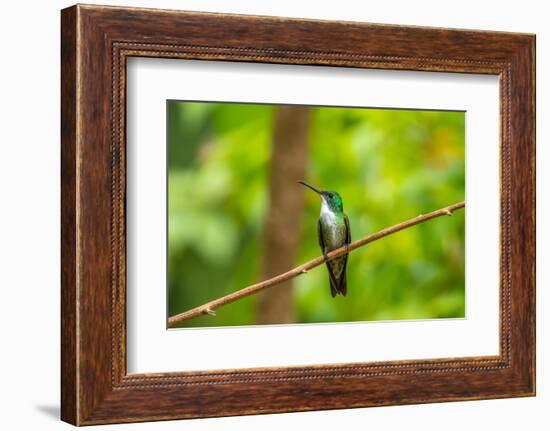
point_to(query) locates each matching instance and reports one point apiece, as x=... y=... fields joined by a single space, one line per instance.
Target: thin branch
x=209 y=307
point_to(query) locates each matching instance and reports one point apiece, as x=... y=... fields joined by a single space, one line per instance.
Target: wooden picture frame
x=96 y=41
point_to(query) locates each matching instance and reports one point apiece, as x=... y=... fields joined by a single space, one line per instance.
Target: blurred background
x=237 y=216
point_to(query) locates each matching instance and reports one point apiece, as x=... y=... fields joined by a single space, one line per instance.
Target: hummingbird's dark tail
x=337 y=285
x=333 y=287
x=343 y=285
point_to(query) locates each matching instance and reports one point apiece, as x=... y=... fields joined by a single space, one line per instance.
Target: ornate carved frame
x=95 y=42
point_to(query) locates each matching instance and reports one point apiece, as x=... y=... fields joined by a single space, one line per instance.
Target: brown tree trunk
x=282 y=230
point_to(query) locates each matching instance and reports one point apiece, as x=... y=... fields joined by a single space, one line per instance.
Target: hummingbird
x=334 y=232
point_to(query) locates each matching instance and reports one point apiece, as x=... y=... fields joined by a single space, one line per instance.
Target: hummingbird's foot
x=325 y=256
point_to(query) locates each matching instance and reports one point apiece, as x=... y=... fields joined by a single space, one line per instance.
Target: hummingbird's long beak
x=311 y=187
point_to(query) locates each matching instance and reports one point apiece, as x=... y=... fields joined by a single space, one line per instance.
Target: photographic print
x=255 y=190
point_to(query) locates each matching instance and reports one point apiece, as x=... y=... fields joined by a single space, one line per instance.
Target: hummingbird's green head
x=331 y=198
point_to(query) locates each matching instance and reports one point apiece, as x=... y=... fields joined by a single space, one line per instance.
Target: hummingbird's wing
x=320 y=236
x=348 y=230
x=343 y=279
x=332 y=278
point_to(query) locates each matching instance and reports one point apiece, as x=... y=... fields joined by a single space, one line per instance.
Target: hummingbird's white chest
x=334 y=232
x=327 y=216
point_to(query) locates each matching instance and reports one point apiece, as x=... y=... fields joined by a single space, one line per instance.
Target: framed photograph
x=264 y=214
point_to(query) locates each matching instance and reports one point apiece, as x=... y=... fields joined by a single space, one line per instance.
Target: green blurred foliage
x=388 y=165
